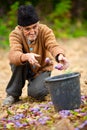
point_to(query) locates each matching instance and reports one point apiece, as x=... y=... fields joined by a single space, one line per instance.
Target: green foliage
x=61 y=9
x=7 y=24
x=12 y=21
x=81 y=31
x=60 y=21
x=60 y=18
x=4 y=33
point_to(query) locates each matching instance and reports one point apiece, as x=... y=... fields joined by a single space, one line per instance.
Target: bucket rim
x=53 y=78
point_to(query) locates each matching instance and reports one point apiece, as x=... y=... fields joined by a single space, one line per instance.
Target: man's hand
x=31 y=58
x=63 y=60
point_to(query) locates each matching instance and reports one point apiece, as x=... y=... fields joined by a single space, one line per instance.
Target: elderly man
x=30 y=44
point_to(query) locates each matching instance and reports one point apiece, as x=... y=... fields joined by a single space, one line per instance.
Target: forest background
x=67 y=18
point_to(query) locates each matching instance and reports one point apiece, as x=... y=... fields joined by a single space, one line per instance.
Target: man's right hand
x=31 y=58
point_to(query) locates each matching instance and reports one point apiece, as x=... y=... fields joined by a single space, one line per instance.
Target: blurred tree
x=78 y=7
x=5 y=6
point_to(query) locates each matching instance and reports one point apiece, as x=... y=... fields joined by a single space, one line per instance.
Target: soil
x=76 y=52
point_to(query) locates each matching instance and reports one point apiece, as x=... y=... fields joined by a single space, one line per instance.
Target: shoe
x=9 y=100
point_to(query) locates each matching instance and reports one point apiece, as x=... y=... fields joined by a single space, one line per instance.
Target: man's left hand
x=63 y=60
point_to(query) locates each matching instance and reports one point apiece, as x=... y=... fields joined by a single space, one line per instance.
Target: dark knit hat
x=27 y=15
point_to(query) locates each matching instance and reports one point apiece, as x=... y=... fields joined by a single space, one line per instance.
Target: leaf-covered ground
x=30 y=114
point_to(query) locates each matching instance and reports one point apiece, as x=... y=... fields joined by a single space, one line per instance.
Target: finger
x=37 y=64
x=65 y=62
x=65 y=66
x=31 y=62
x=35 y=61
x=60 y=57
x=65 y=59
x=36 y=55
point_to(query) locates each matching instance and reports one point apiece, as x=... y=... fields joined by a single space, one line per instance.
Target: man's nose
x=32 y=31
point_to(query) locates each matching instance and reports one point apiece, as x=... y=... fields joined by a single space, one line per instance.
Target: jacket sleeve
x=51 y=44
x=16 y=48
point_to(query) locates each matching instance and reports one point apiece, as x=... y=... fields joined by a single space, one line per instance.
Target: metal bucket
x=65 y=91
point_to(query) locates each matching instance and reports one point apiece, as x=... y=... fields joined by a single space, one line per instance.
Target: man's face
x=31 y=31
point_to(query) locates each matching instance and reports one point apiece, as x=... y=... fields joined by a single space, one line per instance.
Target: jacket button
x=31 y=49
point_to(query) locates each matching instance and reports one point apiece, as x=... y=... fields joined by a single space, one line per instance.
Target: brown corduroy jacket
x=45 y=45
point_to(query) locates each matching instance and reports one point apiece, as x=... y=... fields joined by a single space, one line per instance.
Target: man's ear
x=20 y=27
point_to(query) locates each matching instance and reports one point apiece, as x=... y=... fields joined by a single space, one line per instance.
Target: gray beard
x=28 y=41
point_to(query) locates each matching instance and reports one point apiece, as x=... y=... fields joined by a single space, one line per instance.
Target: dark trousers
x=36 y=87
